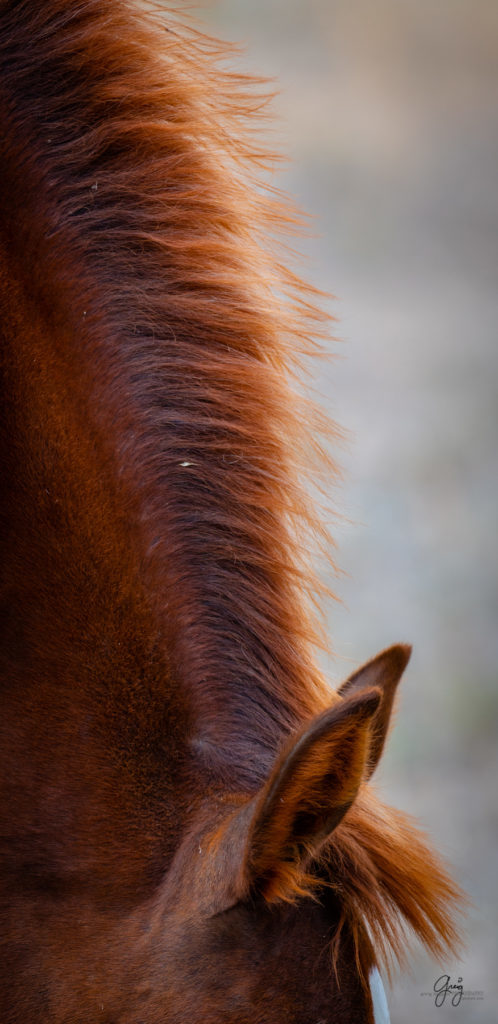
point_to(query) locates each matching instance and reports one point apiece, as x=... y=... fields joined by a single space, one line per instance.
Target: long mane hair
x=148 y=235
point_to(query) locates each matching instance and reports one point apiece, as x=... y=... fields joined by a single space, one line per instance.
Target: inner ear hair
x=311 y=788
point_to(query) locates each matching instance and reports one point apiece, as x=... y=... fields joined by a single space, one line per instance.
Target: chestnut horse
x=187 y=832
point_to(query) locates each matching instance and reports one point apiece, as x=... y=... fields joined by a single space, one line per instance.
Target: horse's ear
x=316 y=779
x=384 y=671
x=308 y=793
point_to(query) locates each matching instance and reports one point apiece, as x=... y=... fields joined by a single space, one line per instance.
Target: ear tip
x=401 y=653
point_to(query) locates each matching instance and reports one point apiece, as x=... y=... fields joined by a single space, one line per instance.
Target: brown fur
x=157 y=632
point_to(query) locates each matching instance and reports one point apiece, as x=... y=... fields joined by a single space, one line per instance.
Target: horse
x=187 y=827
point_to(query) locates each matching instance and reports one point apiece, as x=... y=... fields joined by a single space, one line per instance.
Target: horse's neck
x=98 y=724
x=68 y=557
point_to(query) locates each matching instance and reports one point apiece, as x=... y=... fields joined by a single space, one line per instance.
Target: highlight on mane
x=142 y=160
x=130 y=147
x=392 y=883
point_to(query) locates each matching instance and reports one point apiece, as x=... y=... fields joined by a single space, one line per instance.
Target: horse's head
x=281 y=900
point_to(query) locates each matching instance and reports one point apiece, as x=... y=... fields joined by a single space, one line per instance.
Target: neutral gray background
x=388 y=111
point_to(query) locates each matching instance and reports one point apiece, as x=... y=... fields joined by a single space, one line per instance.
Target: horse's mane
x=388 y=882
x=130 y=151
x=140 y=154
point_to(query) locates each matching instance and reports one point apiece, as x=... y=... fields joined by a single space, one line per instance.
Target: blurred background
x=388 y=111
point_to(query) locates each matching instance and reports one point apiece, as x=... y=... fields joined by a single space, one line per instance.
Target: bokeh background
x=388 y=111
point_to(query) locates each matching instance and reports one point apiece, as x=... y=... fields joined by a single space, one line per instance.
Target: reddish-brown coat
x=185 y=830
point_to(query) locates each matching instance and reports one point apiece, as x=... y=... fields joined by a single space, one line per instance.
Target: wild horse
x=187 y=833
